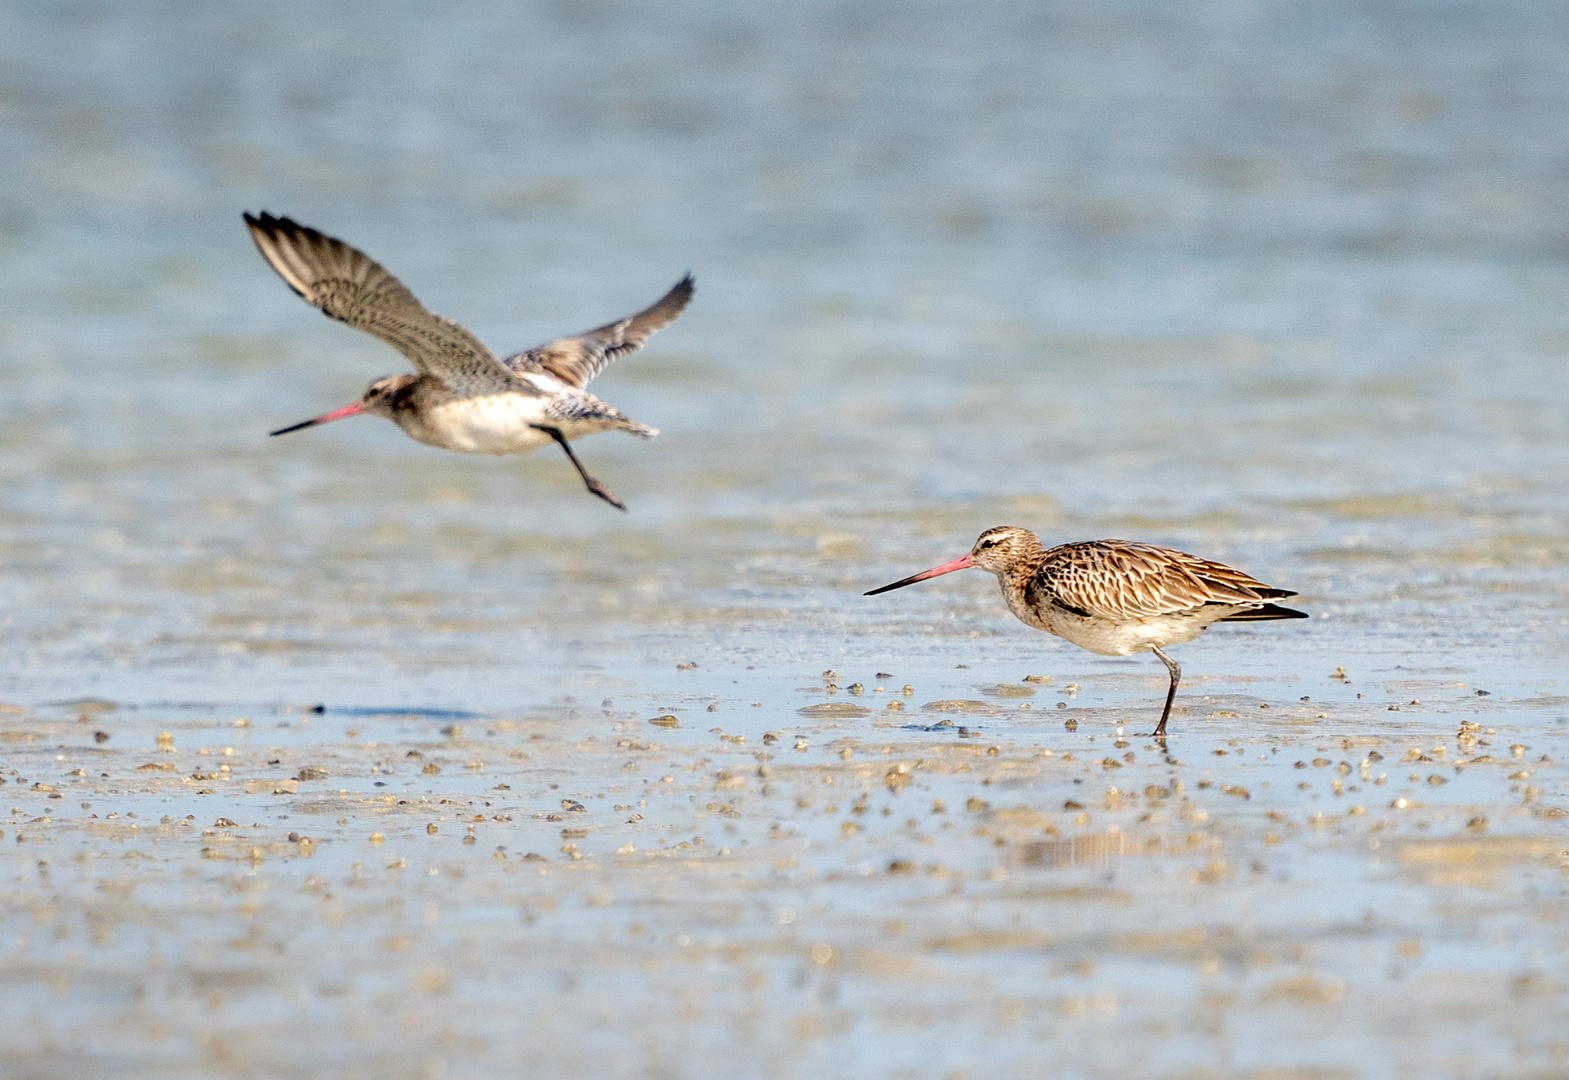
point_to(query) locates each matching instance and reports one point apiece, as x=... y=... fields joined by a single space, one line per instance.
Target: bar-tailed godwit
x=462 y=398
x=1115 y=597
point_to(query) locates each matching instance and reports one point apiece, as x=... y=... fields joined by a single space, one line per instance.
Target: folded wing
x=1121 y=580
x=576 y=360
x=349 y=286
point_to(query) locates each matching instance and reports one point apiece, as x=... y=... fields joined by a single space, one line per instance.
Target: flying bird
x=461 y=397
x=1115 y=597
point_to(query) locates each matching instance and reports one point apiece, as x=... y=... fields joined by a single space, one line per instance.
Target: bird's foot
x=598 y=488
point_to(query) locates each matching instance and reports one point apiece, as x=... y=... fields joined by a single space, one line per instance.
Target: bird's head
x=382 y=396
x=1004 y=549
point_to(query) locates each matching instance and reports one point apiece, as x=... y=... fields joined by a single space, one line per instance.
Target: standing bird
x=462 y=398
x=1115 y=597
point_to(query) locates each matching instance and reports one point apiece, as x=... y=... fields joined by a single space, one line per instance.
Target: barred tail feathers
x=1268 y=611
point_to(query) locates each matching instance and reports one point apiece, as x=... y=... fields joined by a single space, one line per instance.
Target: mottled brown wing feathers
x=1120 y=579
x=576 y=360
x=349 y=286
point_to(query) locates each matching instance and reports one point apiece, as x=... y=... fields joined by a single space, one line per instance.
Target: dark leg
x=1176 y=677
x=589 y=482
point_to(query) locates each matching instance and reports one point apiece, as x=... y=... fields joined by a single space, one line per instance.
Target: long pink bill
x=336 y=414
x=963 y=562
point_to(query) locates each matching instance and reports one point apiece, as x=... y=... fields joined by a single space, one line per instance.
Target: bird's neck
x=1016 y=578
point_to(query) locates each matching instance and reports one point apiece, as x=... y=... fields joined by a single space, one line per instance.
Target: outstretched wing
x=349 y=286
x=1121 y=579
x=576 y=360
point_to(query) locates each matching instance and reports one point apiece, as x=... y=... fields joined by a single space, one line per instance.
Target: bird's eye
x=988 y=543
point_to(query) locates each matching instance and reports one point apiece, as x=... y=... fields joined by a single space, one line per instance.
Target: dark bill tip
x=302 y=425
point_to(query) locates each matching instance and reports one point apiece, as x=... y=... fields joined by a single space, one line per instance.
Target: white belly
x=1126 y=638
x=1116 y=638
x=494 y=424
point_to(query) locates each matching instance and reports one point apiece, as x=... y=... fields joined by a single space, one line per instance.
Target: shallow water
x=1281 y=287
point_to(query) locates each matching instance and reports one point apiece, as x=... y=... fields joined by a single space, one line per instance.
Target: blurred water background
x=1282 y=284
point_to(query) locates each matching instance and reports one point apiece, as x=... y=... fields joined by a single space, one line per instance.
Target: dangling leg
x=1176 y=677
x=588 y=481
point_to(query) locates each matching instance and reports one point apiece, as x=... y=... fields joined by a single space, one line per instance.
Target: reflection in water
x=1094 y=851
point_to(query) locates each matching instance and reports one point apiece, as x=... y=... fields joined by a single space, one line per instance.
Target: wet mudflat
x=870 y=884
x=596 y=795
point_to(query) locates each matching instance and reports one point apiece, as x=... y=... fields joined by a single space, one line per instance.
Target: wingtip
x=271 y=224
x=1266 y=613
x=681 y=291
x=262 y=225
